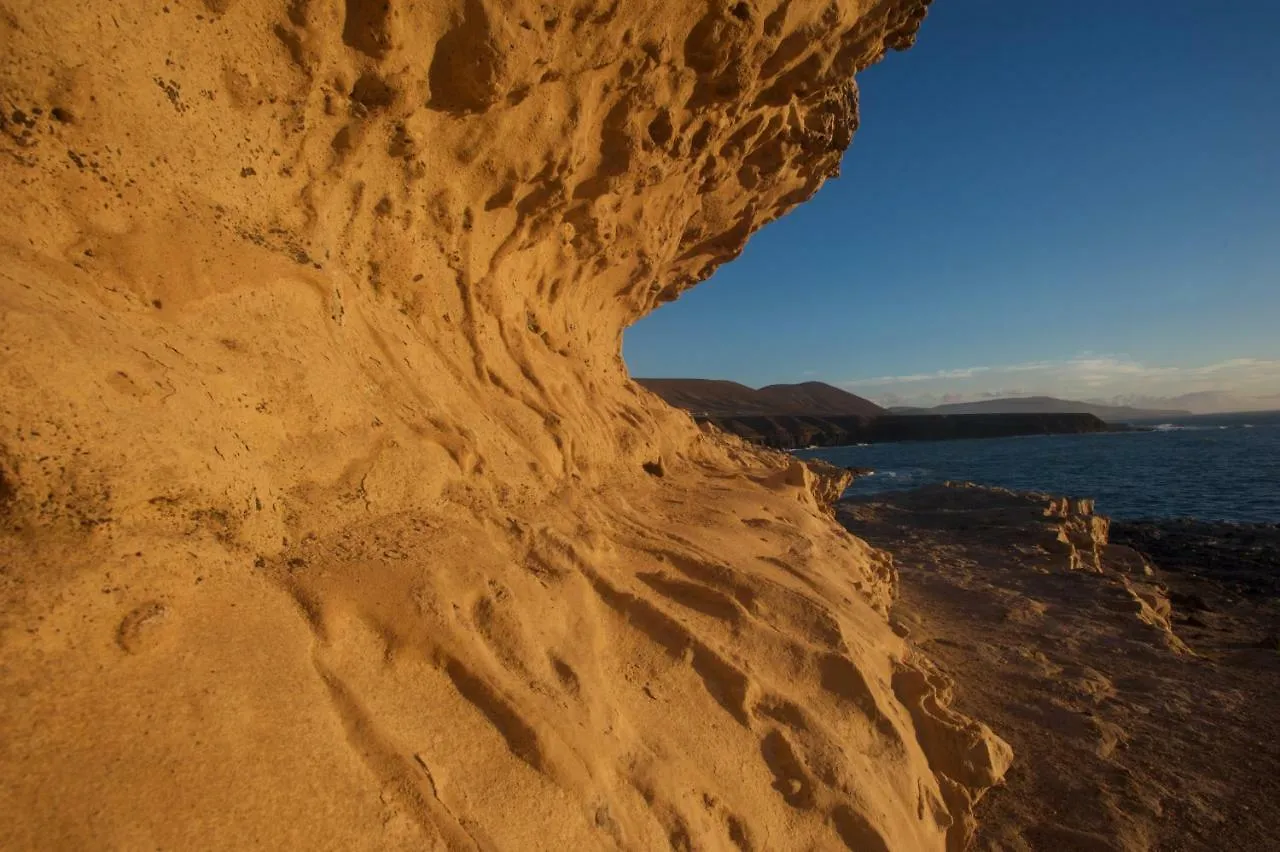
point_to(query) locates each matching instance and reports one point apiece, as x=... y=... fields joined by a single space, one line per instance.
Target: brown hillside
x=819 y=398
x=720 y=398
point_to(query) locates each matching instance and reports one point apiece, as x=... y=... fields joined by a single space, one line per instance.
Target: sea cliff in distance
x=1047 y=405
x=796 y=431
x=718 y=398
x=814 y=414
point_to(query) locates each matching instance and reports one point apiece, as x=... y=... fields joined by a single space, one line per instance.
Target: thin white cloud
x=1235 y=381
x=966 y=373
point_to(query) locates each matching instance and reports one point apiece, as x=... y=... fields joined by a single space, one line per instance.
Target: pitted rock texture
x=331 y=518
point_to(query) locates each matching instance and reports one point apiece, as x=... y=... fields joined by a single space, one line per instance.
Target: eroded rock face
x=517 y=181
x=1047 y=534
x=827 y=482
x=330 y=513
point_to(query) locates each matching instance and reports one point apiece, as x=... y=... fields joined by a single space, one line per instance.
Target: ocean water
x=1212 y=467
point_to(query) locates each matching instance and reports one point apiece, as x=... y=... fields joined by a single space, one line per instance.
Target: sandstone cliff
x=330 y=516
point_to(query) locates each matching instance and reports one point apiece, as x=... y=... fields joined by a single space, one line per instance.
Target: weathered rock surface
x=826 y=481
x=1243 y=558
x=330 y=517
x=1138 y=700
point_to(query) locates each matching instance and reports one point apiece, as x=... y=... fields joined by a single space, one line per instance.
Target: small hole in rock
x=660 y=129
x=371 y=92
x=8 y=491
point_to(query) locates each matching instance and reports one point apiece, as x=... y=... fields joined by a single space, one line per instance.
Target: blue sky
x=1076 y=197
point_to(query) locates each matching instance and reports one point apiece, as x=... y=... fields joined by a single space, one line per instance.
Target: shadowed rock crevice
x=469 y=71
x=365 y=26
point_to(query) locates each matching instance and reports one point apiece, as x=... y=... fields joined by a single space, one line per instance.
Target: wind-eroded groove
x=394 y=772
x=791 y=779
x=695 y=596
x=842 y=678
x=726 y=683
x=792 y=612
x=520 y=737
x=700 y=565
x=856 y=830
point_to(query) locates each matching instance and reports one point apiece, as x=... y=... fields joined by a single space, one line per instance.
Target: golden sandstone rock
x=331 y=518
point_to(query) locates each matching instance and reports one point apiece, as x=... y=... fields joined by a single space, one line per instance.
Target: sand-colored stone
x=330 y=516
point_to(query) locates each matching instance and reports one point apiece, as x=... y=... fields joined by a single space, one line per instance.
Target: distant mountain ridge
x=717 y=398
x=818 y=414
x=1203 y=402
x=1046 y=405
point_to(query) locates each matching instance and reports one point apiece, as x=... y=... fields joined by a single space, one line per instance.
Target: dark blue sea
x=1211 y=467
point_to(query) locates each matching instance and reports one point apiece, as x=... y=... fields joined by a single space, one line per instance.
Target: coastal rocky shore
x=1133 y=667
x=1241 y=560
x=330 y=517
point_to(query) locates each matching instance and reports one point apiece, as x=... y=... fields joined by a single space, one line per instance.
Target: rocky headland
x=714 y=398
x=790 y=431
x=788 y=416
x=1049 y=405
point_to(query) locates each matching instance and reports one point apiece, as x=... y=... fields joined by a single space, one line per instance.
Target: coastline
x=799 y=431
x=1220 y=470
x=1138 y=698
x=331 y=517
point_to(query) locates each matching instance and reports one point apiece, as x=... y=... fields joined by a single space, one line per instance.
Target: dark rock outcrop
x=793 y=431
x=1243 y=557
